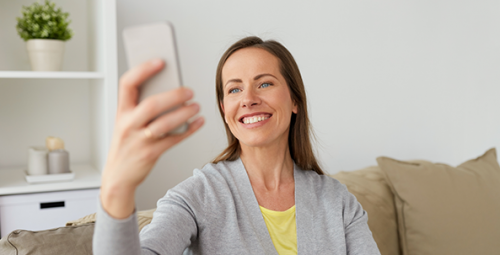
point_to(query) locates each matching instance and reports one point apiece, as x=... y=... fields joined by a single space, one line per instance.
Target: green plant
x=43 y=21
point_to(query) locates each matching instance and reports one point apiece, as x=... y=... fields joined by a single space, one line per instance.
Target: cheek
x=228 y=108
x=283 y=100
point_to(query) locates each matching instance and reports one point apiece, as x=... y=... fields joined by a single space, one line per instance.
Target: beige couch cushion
x=447 y=210
x=373 y=193
x=143 y=219
x=75 y=240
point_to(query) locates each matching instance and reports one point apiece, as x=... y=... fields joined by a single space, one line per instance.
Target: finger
x=170 y=121
x=171 y=140
x=132 y=79
x=154 y=105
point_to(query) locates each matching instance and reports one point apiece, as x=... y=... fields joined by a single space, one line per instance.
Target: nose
x=250 y=98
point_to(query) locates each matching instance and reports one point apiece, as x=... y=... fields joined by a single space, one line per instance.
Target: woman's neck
x=268 y=167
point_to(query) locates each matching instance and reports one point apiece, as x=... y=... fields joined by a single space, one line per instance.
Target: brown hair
x=299 y=137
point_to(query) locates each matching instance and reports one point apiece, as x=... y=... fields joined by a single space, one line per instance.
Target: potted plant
x=45 y=29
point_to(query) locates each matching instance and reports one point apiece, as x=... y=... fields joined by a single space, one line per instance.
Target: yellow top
x=282 y=228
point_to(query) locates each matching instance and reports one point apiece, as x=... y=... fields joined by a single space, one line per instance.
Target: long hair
x=299 y=136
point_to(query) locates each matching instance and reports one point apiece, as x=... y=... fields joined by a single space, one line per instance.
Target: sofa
x=414 y=207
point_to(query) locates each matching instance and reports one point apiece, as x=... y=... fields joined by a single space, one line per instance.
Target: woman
x=265 y=194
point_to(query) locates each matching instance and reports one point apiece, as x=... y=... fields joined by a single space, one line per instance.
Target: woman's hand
x=137 y=142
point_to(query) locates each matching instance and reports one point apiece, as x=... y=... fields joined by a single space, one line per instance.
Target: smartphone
x=155 y=40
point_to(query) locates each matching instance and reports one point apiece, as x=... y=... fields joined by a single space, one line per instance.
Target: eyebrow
x=254 y=78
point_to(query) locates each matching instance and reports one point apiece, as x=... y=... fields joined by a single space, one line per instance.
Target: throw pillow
x=373 y=193
x=446 y=210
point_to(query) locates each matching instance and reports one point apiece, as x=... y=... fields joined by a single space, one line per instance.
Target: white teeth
x=254 y=119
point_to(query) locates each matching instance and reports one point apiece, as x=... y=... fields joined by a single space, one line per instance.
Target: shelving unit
x=50 y=75
x=77 y=104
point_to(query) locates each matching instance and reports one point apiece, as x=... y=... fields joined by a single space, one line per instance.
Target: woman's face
x=257 y=104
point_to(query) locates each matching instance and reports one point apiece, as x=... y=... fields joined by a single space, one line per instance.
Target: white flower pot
x=45 y=54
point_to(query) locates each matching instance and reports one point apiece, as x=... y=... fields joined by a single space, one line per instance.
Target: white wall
x=405 y=79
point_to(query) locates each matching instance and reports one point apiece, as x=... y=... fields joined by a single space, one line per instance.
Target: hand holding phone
x=133 y=150
x=152 y=41
x=133 y=153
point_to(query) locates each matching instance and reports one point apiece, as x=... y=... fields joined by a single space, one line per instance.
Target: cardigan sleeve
x=170 y=231
x=359 y=239
x=173 y=227
x=115 y=236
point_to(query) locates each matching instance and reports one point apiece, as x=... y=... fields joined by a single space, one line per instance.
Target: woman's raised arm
x=137 y=142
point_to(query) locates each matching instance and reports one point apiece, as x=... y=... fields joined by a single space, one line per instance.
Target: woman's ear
x=295 y=108
x=222 y=107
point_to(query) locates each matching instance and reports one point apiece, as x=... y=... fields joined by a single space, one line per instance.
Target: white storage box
x=41 y=211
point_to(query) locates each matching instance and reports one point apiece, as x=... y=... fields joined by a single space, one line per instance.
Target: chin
x=257 y=141
x=262 y=138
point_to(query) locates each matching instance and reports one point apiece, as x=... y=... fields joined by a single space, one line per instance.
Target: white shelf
x=12 y=181
x=78 y=106
x=50 y=75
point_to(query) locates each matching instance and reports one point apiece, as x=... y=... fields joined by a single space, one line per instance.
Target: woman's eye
x=265 y=85
x=233 y=91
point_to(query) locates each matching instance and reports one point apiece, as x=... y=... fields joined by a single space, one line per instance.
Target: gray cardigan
x=215 y=212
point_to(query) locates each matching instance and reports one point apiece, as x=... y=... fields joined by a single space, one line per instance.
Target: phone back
x=149 y=41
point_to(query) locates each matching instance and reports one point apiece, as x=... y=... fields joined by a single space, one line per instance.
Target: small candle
x=54 y=143
x=37 y=160
x=58 y=162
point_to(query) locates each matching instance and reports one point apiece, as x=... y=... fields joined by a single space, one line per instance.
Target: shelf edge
x=50 y=75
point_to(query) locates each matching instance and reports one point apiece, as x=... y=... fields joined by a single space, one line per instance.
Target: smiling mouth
x=254 y=119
